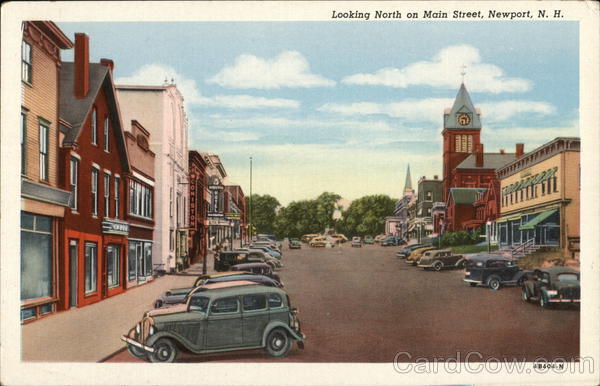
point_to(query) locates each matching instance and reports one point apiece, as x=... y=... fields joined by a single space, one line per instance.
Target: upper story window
x=106 y=127
x=140 y=200
x=463 y=144
x=117 y=195
x=94 y=127
x=73 y=181
x=44 y=159
x=106 y=195
x=428 y=196
x=26 y=62
x=23 y=143
x=94 y=191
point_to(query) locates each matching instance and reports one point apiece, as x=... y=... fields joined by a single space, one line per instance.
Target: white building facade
x=160 y=109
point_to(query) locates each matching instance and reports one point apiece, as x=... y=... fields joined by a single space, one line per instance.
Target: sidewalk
x=91 y=333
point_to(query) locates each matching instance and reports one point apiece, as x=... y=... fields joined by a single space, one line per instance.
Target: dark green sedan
x=242 y=317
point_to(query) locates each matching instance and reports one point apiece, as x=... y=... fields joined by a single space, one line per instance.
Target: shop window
x=94 y=124
x=36 y=257
x=148 y=258
x=73 y=181
x=131 y=260
x=139 y=261
x=113 y=264
x=91 y=266
x=46 y=309
x=26 y=59
x=28 y=313
x=44 y=159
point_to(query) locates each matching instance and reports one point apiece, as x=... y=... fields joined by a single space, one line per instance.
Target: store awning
x=537 y=219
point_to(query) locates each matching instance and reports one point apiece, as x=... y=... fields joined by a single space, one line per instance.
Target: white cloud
x=532 y=137
x=443 y=71
x=199 y=134
x=156 y=74
x=285 y=123
x=288 y=69
x=505 y=110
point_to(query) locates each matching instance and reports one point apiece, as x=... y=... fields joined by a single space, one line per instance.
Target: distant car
x=379 y=238
x=552 y=285
x=294 y=244
x=416 y=254
x=493 y=271
x=257 y=268
x=368 y=240
x=225 y=319
x=406 y=251
x=440 y=259
x=307 y=238
x=225 y=260
x=339 y=238
x=356 y=242
x=266 y=249
x=318 y=242
x=392 y=241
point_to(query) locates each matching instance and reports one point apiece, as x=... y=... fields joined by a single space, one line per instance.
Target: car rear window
x=225 y=305
x=275 y=301
x=254 y=302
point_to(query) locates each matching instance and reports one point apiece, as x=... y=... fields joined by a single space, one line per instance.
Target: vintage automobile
x=356 y=242
x=225 y=260
x=246 y=316
x=294 y=244
x=368 y=240
x=258 y=269
x=320 y=241
x=266 y=243
x=379 y=238
x=256 y=255
x=552 y=285
x=307 y=238
x=339 y=238
x=406 y=251
x=416 y=254
x=265 y=249
x=493 y=271
x=178 y=296
x=392 y=241
x=440 y=259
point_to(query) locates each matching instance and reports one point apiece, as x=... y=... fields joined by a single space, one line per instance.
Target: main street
x=365 y=305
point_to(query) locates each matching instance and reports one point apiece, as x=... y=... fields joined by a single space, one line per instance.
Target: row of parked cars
x=241 y=306
x=545 y=285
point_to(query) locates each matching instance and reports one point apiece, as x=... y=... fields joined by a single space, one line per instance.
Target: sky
x=344 y=107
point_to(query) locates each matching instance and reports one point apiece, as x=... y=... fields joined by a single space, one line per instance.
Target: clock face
x=463 y=119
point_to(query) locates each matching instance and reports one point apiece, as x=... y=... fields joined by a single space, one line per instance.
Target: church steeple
x=407 y=183
x=462 y=115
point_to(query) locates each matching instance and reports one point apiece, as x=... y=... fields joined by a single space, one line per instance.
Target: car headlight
x=138 y=329
x=152 y=330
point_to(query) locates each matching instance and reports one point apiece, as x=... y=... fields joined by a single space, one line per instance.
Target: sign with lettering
x=232 y=216
x=115 y=227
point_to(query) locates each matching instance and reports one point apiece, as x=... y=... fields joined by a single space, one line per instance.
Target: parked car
x=225 y=260
x=198 y=325
x=339 y=238
x=257 y=268
x=307 y=238
x=368 y=240
x=392 y=241
x=294 y=244
x=416 y=254
x=379 y=238
x=406 y=251
x=493 y=271
x=257 y=255
x=266 y=249
x=552 y=285
x=266 y=243
x=356 y=242
x=320 y=241
x=440 y=259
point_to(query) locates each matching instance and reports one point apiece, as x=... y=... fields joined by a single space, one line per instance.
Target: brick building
x=235 y=210
x=43 y=202
x=94 y=163
x=199 y=204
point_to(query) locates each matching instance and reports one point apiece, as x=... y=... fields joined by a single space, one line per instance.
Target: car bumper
x=564 y=300
x=136 y=344
x=472 y=281
x=424 y=265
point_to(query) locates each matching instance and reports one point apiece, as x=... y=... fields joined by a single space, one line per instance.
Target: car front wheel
x=278 y=343
x=494 y=283
x=137 y=352
x=165 y=351
x=438 y=265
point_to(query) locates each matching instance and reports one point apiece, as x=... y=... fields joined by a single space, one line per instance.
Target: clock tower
x=462 y=129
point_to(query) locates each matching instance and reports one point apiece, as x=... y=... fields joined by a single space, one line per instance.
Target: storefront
x=540 y=198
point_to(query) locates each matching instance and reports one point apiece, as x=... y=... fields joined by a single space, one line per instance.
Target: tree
x=366 y=215
x=264 y=209
x=306 y=216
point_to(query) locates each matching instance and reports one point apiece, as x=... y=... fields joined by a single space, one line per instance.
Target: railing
x=523 y=248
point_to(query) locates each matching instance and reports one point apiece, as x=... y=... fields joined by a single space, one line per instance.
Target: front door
x=73 y=256
x=255 y=319
x=224 y=324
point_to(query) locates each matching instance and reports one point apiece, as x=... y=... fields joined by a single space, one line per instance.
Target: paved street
x=364 y=305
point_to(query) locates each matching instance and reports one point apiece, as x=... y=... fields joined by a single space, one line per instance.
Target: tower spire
x=407 y=183
x=463 y=72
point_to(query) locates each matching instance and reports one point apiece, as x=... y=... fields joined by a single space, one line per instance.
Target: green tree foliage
x=461 y=237
x=264 y=209
x=366 y=215
x=306 y=216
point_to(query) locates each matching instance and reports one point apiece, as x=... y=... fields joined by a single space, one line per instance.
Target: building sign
x=215 y=215
x=218 y=222
x=232 y=216
x=193 y=225
x=115 y=227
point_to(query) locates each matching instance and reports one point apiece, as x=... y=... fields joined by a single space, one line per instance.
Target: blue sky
x=345 y=106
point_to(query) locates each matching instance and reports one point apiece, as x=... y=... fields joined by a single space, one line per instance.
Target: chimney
x=108 y=63
x=81 y=82
x=479 y=156
x=519 y=150
x=501 y=151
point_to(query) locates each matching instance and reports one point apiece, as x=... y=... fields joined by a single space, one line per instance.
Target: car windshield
x=568 y=277
x=199 y=303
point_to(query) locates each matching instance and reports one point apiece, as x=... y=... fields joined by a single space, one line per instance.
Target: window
x=44 y=151
x=254 y=302
x=199 y=303
x=543 y=189
x=26 y=62
x=171 y=240
x=428 y=196
x=527 y=193
x=171 y=202
x=94 y=191
x=140 y=197
x=94 y=127
x=428 y=211
x=469 y=143
x=275 y=301
x=457 y=143
x=225 y=305
x=106 y=134
x=521 y=194
x=114 y=262
x=73 y=178
x=23 y=143
x=91 y=259
x=106 y=195
x=554 y=187
x=117 y=195
x=36 y=256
